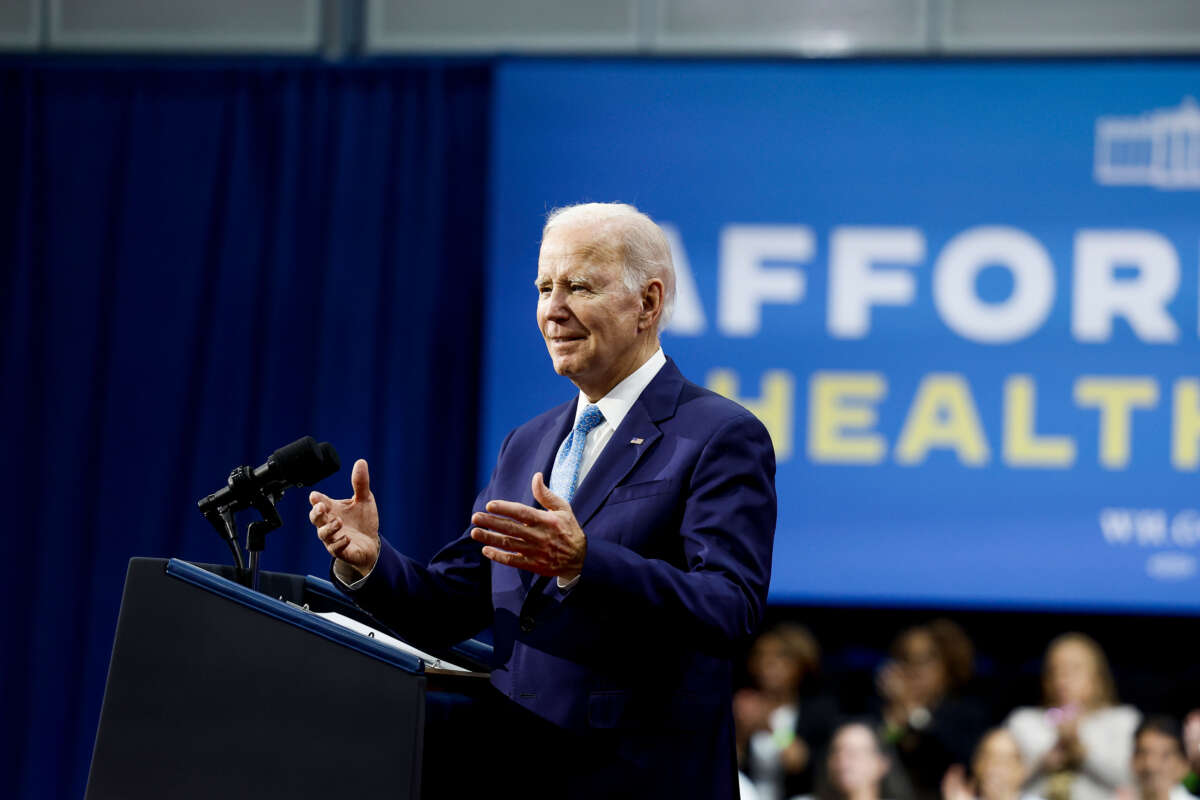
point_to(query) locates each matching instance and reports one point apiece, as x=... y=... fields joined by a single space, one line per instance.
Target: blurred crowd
x=926 y=736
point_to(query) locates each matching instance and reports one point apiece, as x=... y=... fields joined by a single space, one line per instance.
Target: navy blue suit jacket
x=679 y=513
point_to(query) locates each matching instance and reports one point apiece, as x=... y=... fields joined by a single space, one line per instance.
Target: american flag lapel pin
x=636 y=440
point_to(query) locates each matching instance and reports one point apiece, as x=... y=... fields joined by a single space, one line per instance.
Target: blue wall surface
x=962 y=296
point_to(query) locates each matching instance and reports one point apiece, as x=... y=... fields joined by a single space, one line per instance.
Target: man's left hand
x=548 y=542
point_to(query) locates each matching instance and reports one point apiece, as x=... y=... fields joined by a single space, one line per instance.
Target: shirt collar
x=616 y=404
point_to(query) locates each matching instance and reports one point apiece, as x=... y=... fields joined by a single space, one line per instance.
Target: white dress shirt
x=614 y=406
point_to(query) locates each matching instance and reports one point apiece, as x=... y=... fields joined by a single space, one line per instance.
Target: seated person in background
x=1159 y=763
x=859 y=768
x=1078 y=746
x=1191 y=742
x=782 y=726
x=931 y=726
x=997 y=771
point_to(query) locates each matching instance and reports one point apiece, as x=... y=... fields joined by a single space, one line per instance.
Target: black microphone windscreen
x=330 y=459
x=302 y=462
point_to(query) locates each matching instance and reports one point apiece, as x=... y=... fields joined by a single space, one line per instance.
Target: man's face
x=587 y=316
x=1157 y=764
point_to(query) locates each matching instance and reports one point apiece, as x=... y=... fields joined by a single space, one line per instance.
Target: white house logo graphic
x=1159 y=148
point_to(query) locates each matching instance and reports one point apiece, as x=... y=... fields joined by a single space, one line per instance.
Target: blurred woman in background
x=997 y=771
x=924 y=714
x=1079 y=744
x=859 y=767
x=782 y=725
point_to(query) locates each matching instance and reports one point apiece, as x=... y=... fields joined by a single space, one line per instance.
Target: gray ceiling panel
x=1064 y=26
x=499 y=25
x=820 y=27
x=185 y=25
x=20 y=24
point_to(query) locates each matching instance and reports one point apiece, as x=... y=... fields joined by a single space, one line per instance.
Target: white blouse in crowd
x=764 y=751
x=1107 y=738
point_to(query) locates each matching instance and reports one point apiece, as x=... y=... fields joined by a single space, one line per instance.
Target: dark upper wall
x=203 y=262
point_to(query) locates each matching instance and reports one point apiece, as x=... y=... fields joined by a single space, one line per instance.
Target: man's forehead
x=577 y=250
x=581 y=241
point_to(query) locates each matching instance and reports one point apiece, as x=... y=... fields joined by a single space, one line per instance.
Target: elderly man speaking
x=620 y=552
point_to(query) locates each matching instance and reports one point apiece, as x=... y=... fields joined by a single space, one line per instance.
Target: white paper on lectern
x=391 y=641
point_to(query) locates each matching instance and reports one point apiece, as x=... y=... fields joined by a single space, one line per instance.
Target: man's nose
x=557 y=304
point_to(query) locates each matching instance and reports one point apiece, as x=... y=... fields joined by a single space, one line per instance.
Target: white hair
x=645 y=252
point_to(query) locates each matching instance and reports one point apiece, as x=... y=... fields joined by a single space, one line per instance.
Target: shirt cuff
x=565 y=585
x=347 y=575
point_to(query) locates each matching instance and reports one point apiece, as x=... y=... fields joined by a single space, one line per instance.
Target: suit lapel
x=615 y=461
x=543 y=457
x=656 y=403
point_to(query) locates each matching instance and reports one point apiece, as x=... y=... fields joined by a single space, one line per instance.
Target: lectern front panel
x=209 y=698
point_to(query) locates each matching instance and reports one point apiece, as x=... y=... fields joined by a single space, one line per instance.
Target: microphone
x=301 y=463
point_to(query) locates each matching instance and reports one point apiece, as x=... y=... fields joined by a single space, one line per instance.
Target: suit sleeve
x=728 y=528
x=435 y=605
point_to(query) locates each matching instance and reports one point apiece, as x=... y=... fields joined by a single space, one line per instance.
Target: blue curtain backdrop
x=202 y=262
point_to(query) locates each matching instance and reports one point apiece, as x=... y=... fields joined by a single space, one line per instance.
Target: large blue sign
x=962 y=296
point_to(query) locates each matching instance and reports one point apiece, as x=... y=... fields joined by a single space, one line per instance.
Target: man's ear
x=652 y=303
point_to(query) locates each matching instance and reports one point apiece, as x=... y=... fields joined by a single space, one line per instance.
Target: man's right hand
x=349 y=529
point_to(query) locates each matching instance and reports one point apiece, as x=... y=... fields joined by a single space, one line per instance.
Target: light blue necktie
x=565 y=476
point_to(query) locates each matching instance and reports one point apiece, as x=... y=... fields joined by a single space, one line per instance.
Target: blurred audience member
x=1159 y=761
x=1078 y=745
x=924 y=716
x=997 y=771
x=746 y=790
x=1191 y=742
x=859 y=768
x=781 y=725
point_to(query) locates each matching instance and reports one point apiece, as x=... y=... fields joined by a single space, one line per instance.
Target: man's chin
x=563 y=366
x=568 y=360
